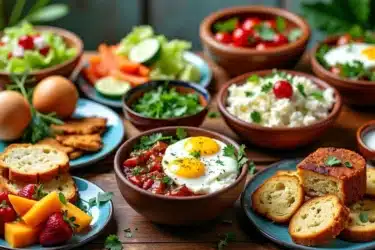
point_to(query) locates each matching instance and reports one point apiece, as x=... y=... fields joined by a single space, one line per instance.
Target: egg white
x=217 y=176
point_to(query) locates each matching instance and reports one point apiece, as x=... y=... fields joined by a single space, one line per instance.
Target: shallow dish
x=197 y=61
x=277 y=138
x=111 y=138
x=279 y=233
x=365 y=151
x=237 y=60
x=101 y=217
x=177 y=210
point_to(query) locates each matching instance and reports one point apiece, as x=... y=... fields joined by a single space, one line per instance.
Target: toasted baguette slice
x=33 y=163
x=287 y=172
x=63 y=183
x=361 y=226
x=318 y=221
x=278 y=198
x=370 y=181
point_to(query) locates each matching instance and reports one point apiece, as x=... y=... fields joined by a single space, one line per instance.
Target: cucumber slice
x=145 y=52
x=190 y=73
x=111 y=87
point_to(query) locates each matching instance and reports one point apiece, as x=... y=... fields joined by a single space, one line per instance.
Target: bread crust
x=370 y=182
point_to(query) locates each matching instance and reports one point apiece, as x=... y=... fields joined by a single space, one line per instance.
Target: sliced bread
x=278 y=198
x=288 y=172
x=370 y=181
x=361 y=226
x=33 y=163
x=318 y=221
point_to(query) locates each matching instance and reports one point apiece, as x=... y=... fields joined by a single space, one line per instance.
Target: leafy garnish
x=348 y=164
x=195 y=154
x=241 y=156
x=256 y=117
x=147 y=141
x=363 y=216
x=167 y=180
x=320 y=55
x=301 y=89
x=294 y=34
x=266 y=87
x=62 y=198
x=356 y=70
x=181 y=133
x=229 y=151
x=318 y=95
x=113 y=243
x=253 y=78
x=100 y=199
x=265 y=33
x=249 y=93
x=332 y=161
x=213 y=114
x=227 y=25
x=220 y=162
x=136 y=171
x=39 y=192
x=224 y=241
x=252 y=168
x=280 y=24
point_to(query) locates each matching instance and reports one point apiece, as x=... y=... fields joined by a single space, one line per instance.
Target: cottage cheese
x=307 y=105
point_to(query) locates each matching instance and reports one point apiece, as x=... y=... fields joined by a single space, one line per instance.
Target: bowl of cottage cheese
x=279 y=109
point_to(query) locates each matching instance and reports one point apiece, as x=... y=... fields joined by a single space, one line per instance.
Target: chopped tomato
x=148 y=183
x=136 y=180
x=131 y=162
x=181 y=191
x=250 y=23
x=156 y=166
x=158 y=187
x=160 y=147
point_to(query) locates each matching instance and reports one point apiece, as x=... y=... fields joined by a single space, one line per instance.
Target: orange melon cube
x=21 y=205
x=43 y=209
x=18 y=234
x=82 y=219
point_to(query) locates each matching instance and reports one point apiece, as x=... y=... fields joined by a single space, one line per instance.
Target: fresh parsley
x=99 y=200
x=213 y=114
x=220 y=162
x=167 y=180
x=241 y=156
x=363 y=217
x=195 y=154
x=252 y=168
x=253 y=78
x=266 y=87
x=348 y=164
x=256 y=117
x=227 y=25
x=301 y=89
x=280 y=24
x=322 y=50
x=294 y=34
x=224 y=241
x=113 y=243
x=249 y=93
x=266 y=33
x=230 y=151
x=136 y=171
x=148 y=141
x=181 y=133
x=318 y=95
x=332 y=161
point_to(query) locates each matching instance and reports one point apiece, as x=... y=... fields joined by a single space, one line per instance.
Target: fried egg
x=347 y=53
x=199 y=164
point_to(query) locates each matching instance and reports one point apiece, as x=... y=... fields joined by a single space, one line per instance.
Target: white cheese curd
x=253 y=102
x=39 y=42
x=18 y=51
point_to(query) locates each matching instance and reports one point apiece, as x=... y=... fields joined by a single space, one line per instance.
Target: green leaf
x=361 y=9
x=253 y=78
x=294 y=34
x=301 y=89
x=49 y=13
x=256 y=117
x=167 y=180
x=318 y=95
x=363 y=216
x=62 y=198
x=113 y=243
x=320 y=55
x=136 y=171
x=16 y=12
x=241 y=156
x=252 y=168
x=195 y=154
x=227 y=25
x=181 y=133
x=104 y=197
x=213 y=114
x=267 y=34
x=267 y=87
x=348 y=164
x=280 y=24
x=92 y=202
x=332 y=161
x=220 y=162
x=229 y=151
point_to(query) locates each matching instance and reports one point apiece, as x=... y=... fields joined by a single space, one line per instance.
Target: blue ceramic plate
x=111 y=138
x=279 y=233
x=89 y=90
x=101 y=217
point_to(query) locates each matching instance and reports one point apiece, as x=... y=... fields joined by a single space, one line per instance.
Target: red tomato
x=159 y=147
x=250 y=23
x=131 y=162
x=270 y=24
x=240 y=37
x=136 y=180
x=44 y=51
x=147 y=184
x=26 y=42
x=279 y=39
x=158 y=187
x=253 y=38
x=283 y=89
x=156 y=166
x=223 y=37
x=181 y=191
x=335 y=70
x=344 y=39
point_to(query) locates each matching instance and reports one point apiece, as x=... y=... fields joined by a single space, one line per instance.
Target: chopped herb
x=181 y=133
x=113 y=243
x=363 y=216
x=301 y=89
x=241 y=157
x=320 y=55
x=253 y=78
x=229 y=151
x=294 y=34
x=227 y=25
x=128 y=233
x=249 y=93
x=195 y=154
x=147 y=141
x=213 y=114
x=266 y=87
x=332 y=161
x=224 y=241
x=280 y=24
x=348 y=164
x=252 y=168
x=218 y=161
x=256 y=117
x=62 y=198
x=100 y=199
x=136 y=171
x=265 y=33
x=167 y=180
x=318 y=95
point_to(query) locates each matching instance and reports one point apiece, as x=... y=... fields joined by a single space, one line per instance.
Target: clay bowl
x=177 y=210
x=144 y=123
x=237 y=61
x=66 y=68
x=365 y=151
x=353 y=92
x=277 y=138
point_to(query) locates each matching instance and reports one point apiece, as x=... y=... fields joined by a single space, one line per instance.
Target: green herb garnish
x=266 y=87
x=256 y=117
x=220 y=162
x=136 y=171
x=348 y=164
x=265 y=33
x=280 y=24
x=62 y=198
x=249 y=93
x=113 y=243
x=167 y=180
x=253 y=78
x=252 y=168
x=332 y=161
x=227 y=25
x=363 y=216
x=301 y=89
x=320 y=55
x=213 y=114
x=181 y=133
x=318 y=95
x=241 y=156
x=148 y=141
x=195 y=154
x=294 y=34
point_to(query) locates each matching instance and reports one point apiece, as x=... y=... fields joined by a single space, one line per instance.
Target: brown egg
x=55 y=94
x=15 y=115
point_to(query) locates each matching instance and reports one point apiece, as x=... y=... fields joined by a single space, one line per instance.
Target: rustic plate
x=111 y=138
x=89 y=90
x=279 y=233
x=101 y=217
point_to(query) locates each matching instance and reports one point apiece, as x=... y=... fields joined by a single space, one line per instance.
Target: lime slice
x=190 y=74
x=111 y=87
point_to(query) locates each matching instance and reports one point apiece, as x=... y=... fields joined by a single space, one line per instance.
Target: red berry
x=223 y=37
x=26 y=42
x=7 y=214
x=250 y=23
x=57 y=231
x=44 y=51
x=29 y=191
x=4 y=197
x=279 y=39
x=240 y=37
x=270 y=24
x=283 y=89
x=344 y=39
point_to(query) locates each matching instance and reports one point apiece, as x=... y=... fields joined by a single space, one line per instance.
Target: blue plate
x=279 y=233
x=111 y=138
x=197 y=61
x=101 y=217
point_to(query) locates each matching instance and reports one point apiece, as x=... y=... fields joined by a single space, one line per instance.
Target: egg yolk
x=188 y=167
x=203 y=145
x=369 y=53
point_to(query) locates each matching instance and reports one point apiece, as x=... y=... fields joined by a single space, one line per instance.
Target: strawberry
x=7 y=214
x=32 y=191
x=57 y=230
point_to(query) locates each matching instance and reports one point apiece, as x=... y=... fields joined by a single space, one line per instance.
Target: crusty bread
x=361 y=226
x=63 y=183
x=71 y=152
x=91 y=143
x=370 y=181
x=318 y=178
x=278 y=198
x=287 y=172
x=32 y=163
x=318 y=221
x=85 y=126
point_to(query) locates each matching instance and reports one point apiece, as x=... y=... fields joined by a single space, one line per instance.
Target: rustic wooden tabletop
x=147 y=235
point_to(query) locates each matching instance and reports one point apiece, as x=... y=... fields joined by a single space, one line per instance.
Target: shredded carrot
x=134 y=80
x=143 y=70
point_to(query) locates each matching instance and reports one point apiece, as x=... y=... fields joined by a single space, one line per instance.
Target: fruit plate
x=101 y=217
x=197 y=61
x=111 y=138
x=279 y=233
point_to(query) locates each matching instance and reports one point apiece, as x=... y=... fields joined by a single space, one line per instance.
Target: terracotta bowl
x=277 y=138
x=353 y=92
x=177 y=210
x=144 y=123
x=365 y=151
x=237 y=61
x=66 y=68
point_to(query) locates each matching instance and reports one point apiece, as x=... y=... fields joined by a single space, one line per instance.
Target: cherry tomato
x=279 y=39
x=283 y=89
x=223 y=37
x=344 y=39
x=44 y=51
x=240 y=37
x=270 y=24
x=131 y=162
x=26 y=42
x=250 y=23
x=335 y=70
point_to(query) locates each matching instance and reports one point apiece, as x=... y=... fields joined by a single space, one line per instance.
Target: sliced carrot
x=127 y=66
x=134 y=80
x=95 y=59
x=108 y=59
x=89 y=75
x=143 y=70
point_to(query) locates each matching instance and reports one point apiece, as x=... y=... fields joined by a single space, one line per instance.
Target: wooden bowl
x=365 y=151
x=64 y=69
x=353 y=92
x=144 y=123
x=277 y=138
x=177 y=210
x=236 y=60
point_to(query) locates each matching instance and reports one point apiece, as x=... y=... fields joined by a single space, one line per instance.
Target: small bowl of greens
x=166 y=103
x=347 y=62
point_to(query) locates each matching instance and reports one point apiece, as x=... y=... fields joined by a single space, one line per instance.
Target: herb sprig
x=240 y=157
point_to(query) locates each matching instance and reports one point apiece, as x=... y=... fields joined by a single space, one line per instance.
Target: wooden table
x=151 y=236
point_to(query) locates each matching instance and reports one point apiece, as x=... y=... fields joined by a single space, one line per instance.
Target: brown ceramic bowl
x=177 y=210
x=237 y=61
x=66 y=68
x=353 y=92
x=277 y=138
x=144 y=123
x=365 y=151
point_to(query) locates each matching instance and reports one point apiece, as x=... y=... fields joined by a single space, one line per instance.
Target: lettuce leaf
x=138 y=34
